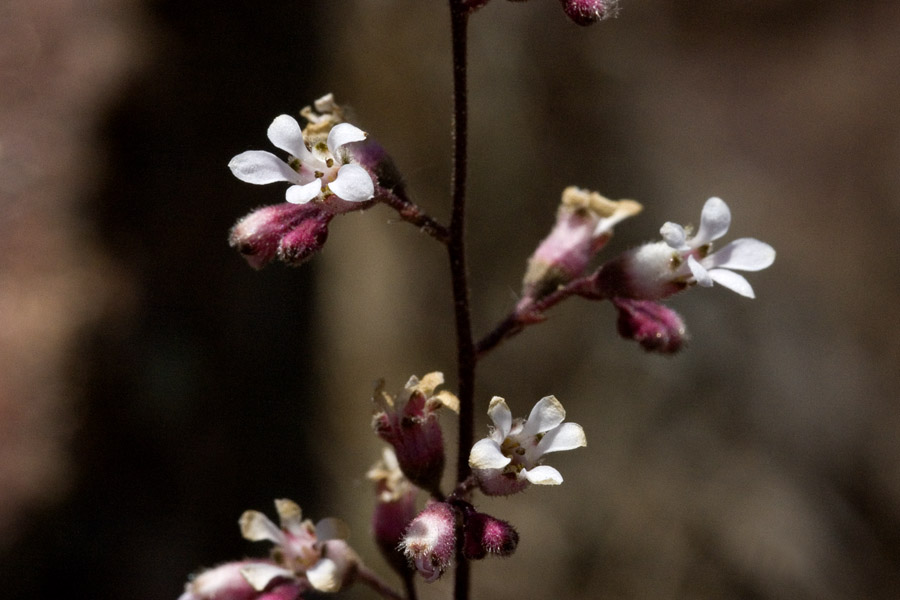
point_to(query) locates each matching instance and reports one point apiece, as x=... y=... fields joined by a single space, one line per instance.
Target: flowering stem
x=410 y=212
x=531 y=313
x=465 y=345
x=370 y=578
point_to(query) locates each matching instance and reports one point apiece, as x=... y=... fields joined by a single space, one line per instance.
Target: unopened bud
x=654 y=326
x=290 y=232
x=486 y=535
x=587 y=12
x=430 y=540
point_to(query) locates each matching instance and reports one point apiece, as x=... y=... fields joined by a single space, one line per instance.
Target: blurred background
x=153 y=386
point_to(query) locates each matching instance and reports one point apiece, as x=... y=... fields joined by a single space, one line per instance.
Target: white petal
x=567 y=436
x=745 y=254
x=301 y=194
x=332 y=529
x=546 y=414
x=486 y=454
x=324 y=576
x=673 y=235
x=285 y=133
x=699 y=272
x=290 y=514
x=261 y=167
x=543 y=475
x=256 y=527
x=714 y=222
x=344 y=133
x=260 y=575
x=501 y=416
x=353 y=184
x=733 y=281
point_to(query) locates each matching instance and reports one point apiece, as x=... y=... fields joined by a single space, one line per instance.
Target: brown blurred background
x=152 y=386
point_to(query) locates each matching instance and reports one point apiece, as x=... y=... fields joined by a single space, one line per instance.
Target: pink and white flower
x=745 y=254
x=316 y=552
x=315 y=172
x=508 y=460
x=659 y=269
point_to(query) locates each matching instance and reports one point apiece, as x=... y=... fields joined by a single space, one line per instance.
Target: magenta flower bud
x=430 y=540
x=588 y=12
x=654 y=326
x=486 y=535
x=229 y=582
x=290 y=232
x=412 y=428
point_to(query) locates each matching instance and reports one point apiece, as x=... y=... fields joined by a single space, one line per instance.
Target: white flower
x=745 y=254
x=509 y=458
x=315 y=172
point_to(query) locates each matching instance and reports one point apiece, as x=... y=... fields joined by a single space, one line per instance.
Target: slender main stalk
x=465 y=345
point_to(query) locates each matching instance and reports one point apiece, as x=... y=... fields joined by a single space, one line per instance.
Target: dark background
x=153 y=386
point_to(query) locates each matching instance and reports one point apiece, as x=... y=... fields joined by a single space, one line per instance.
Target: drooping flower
x=410 y=425
x=316 y=552
x=509 y=459
x=659 y=269
x=316 y=172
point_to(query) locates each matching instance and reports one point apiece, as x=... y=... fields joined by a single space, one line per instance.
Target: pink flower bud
x=486 y=535
x=588 y=12
x=430 y=540
x=291 y=232
x=654 y=326
x=228 y=582
x=412 y=428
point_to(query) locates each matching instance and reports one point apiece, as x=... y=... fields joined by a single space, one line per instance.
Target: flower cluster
x=332 y=168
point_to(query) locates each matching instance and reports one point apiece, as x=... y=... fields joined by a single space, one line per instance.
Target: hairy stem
x=410 y=212
x=465 y=345
x=533 y=312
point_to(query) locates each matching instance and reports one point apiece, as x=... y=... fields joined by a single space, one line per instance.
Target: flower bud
x=229 y=582
x=291 y=232
x=588 y=12
x=486 y=535
x=412 y=428
x=654 y=326
x=430 y=540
